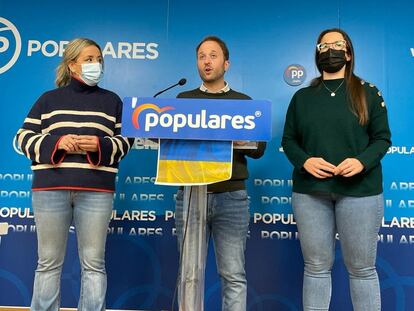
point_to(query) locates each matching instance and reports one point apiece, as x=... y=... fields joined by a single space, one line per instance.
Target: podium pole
x=194 y=249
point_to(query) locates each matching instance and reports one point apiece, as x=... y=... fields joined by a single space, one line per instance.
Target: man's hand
x=240 y=142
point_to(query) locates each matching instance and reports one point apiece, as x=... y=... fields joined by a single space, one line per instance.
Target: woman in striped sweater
x=72 y=136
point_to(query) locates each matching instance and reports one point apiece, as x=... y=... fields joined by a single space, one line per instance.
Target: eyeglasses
x=337 y=45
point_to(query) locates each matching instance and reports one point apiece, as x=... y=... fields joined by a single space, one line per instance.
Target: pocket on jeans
x=236 y=195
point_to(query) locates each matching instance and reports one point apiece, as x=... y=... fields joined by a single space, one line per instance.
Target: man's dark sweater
x=239 y=171
x=320 y=125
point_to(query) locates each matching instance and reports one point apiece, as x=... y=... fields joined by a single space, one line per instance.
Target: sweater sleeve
x=291 y=137
x=378 y=130
x=38 y=146
x=112 y=149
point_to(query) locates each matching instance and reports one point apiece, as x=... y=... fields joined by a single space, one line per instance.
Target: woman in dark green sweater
x=336 y=132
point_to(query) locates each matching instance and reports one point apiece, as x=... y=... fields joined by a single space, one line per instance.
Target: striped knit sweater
x=81 y=110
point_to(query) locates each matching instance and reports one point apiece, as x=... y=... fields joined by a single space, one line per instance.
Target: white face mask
x=92 y=73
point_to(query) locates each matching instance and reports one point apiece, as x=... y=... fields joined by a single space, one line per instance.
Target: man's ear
x=226 y=65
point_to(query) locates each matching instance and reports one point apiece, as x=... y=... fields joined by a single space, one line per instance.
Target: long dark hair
x=354 y=87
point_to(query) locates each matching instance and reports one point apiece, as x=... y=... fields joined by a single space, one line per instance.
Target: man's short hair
x=220 y=42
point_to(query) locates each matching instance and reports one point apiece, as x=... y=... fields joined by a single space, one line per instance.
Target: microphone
x=181 y=82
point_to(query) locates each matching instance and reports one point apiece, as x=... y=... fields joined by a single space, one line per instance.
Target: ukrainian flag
x=193 y=162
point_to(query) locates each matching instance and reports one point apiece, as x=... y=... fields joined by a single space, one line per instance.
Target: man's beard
x=212 y=78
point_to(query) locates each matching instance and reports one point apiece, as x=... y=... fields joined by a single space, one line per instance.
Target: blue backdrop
x=149 y=45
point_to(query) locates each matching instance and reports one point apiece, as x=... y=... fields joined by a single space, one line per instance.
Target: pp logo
x=295 y=75
x=9 y=37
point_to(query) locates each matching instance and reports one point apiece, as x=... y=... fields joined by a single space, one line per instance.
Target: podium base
x=194 y=249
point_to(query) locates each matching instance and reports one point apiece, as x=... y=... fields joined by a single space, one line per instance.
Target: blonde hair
x=71 y=53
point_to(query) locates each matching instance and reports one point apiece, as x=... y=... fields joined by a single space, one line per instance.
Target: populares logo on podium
x=196 y=134
x=201 y=119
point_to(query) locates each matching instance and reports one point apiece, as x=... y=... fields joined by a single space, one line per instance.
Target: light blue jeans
x=54 y=212
x=228 y=224
x=357 y=220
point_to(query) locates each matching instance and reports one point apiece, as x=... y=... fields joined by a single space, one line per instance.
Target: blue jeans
x=54 y=211
x=357 y=221
x=228 y=224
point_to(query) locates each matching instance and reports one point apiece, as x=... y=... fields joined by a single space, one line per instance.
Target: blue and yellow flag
x=193 y=162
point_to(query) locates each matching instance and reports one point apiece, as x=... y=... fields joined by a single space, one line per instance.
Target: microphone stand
x=181 y=82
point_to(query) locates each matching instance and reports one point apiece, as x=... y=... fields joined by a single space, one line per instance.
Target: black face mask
x=332 y=60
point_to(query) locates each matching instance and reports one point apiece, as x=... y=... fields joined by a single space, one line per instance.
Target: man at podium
x=227 y=202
